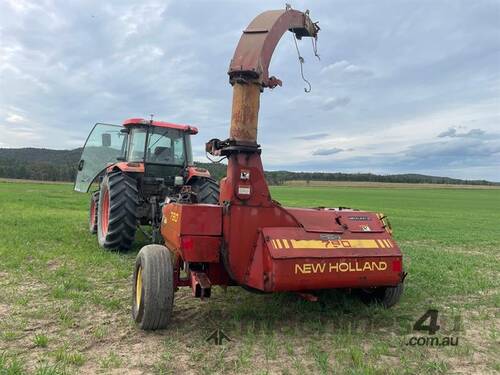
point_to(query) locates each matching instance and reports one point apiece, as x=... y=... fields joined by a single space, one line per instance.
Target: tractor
x=138 y=166
x=247 y=238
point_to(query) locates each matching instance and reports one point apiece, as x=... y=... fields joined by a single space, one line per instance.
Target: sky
x=400 y=87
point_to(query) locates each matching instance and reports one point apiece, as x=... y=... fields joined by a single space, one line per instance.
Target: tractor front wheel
x=117 y=211
x=386 y=296
x=94 y=203
x=153 y=287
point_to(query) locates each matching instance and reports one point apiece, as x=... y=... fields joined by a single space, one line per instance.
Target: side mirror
x=106 y=140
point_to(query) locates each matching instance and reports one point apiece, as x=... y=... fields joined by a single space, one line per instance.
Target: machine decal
x=174 y=216
x=359 y=218
x=244 y=190
x=331 y=244
x=329 y=237
x=305 y=268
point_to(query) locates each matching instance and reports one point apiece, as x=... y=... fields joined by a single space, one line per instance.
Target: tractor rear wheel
x=94 y=203
x=117 y=211
x=153 y=287
x=386 y=296
x=206 y=190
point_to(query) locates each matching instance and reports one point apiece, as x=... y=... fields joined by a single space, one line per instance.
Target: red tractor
x=249 y=239
x=138 y=166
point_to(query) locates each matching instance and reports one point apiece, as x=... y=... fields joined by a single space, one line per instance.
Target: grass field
x=64 y=303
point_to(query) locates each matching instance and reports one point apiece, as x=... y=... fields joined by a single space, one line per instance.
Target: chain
x=301 y=61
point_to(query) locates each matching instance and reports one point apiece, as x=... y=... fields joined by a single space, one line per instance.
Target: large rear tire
x=94 y=204
x=205 y=189
x=386 y=296
x=153 y=288
x=117 y=211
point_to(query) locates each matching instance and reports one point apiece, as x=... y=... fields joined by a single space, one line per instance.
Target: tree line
x=61 y=165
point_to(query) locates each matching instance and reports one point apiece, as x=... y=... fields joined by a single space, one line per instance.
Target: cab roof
x=161 y=124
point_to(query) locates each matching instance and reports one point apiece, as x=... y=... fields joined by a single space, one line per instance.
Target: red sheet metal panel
x=317 y=220
x=193 y=230
x=192 y=219
x=332 y=220
x=360 y=221
x=200 y=249
x=295 y=260
x=313 y=273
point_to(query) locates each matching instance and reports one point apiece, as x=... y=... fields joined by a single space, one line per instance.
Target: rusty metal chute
x=254 y=51
x=249 y=68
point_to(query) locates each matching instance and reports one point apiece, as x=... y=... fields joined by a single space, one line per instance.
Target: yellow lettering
x=305 y=268
x=174 y=216
x=318 y=267
x=340 y=267
x=343 y=267
x=381 y=266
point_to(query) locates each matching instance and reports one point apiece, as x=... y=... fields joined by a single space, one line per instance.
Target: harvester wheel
x=153 y=287
x=206 y=190
x=386 y=296
x=94 y=203
x=117 y=211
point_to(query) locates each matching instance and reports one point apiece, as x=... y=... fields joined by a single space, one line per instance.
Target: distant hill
x=60 y=165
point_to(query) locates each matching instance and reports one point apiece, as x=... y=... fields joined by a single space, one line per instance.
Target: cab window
x=165 y=146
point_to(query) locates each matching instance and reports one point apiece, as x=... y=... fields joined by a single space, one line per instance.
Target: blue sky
x=401 y=87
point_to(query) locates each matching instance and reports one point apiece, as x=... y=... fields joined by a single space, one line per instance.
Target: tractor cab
x=135 y=168
x=158 y=142
x=158 y=149
x=161 y=149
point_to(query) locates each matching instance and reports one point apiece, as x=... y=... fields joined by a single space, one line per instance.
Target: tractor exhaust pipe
x=248 y=71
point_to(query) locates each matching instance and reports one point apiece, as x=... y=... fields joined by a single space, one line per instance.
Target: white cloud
x=335 y=102
x=14 y=118
x=344 y=68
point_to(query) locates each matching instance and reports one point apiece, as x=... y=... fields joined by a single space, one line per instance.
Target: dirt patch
x=53 y=264
x=4 y=311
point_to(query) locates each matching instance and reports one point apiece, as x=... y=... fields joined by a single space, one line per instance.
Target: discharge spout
x=249 y=68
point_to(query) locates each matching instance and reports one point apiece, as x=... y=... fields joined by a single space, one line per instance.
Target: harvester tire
x=117 y=211
x=153 y=288
x=386 y=296
x=206 y=190
x=93 y=207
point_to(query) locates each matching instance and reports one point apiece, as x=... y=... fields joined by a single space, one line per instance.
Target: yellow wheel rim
x=138 y=288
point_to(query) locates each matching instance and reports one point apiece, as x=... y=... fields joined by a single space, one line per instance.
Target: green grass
x=41 y=340
x=64 y=302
